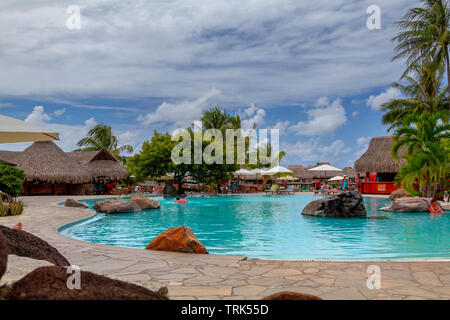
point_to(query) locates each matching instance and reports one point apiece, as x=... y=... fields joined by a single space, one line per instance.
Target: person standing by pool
x=345 y=184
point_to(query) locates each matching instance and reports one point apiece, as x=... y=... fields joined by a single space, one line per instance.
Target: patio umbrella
x=287 y=178
x=13 y=130
x=337 y=178
x=325 y=168
x=279 y=171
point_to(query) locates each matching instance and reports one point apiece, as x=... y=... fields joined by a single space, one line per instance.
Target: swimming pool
x=272 y=227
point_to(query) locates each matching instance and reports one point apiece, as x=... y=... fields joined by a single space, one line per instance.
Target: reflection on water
x=273 y=227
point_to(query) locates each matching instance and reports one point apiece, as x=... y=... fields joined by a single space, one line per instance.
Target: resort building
x=50 y=170
x=306 y=176
x=377 y=168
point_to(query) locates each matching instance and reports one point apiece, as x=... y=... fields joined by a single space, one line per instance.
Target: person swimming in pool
x=181 y=201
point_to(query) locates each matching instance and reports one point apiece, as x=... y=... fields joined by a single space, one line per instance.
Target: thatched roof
x=378 y=157
x=46 y=162
x=304 y=173
x=100 y=164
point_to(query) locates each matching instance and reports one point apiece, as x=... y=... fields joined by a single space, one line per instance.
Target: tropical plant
x=425 y=36
x=11 y=180
x=423 y=93
x=216 y=118
x=426 y=139
x=101 y=137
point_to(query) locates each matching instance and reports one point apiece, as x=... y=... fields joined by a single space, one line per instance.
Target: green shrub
x=11 y=180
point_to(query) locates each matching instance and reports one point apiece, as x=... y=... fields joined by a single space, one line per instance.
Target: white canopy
x=13 y=130
x=243 y=172
x=258 y=171
x=278 y=169
x=337 y=178
x=325 y=167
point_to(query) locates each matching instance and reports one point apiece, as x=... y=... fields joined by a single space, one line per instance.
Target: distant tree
x=101 y=137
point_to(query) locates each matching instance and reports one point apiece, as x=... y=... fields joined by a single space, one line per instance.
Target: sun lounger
x=273 y=189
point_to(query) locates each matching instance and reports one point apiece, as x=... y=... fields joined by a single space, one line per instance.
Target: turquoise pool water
x=272 y=227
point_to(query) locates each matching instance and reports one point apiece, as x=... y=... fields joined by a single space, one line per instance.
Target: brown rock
x=50 y=283
x=416 y=204
x=345 y=205
x=75 y=204
x=3 y=255
x=290 y=295
x=399 y=193
x=145 y=203
x=24 y=244
x=180 y=239
x=116 y=206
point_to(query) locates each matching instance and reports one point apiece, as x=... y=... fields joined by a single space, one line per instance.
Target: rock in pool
x=179 y=239
x=399 y=193
x=345 y=205
x=116 y=206
x=145 y=203
x=416 y=204
x=75 y=204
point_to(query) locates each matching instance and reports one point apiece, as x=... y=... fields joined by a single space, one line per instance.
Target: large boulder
x=345 y=205
x=24 y=244
x=180 y=239
x=50 y=283
x=399 y=193
x=444 y=205
x=145 y=203
x=116 y=206
x=415 y=204
x=290 y=295
x=3 y=255
x=75 y=204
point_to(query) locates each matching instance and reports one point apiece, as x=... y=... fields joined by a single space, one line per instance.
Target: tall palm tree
x=426 y=138
x=216 y=118
x=425 y=35
x=423 y=93
x=101 y=137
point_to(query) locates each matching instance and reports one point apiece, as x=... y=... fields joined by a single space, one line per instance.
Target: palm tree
x=101 y=137
x=216 y=118
x=426 y=138
x=423 y=93
x=425 y=35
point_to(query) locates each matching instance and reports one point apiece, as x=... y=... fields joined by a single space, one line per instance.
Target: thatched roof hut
x=100 y=164
x=378 y=157
x=46 y=162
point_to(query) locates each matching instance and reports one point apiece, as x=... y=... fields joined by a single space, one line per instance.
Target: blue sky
x=310 y=68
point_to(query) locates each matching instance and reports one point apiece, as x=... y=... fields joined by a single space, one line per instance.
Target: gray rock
x=75 y=204
x=399 y=193
x=344 y=205
x=145 y=203
x=116 y=206
x=416 y=204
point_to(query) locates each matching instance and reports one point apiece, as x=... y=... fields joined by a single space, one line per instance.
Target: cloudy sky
x=310 y=68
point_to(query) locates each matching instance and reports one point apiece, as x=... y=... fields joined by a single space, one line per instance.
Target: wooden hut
x=50 y=170
x=377 y=168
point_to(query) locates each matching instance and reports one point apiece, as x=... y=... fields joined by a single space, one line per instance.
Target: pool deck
x=190 y=276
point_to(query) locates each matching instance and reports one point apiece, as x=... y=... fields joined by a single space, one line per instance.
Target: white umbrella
x=278 y=169
x=337 y=178
x=325 y=168
x=13 y=130
x=244 y=172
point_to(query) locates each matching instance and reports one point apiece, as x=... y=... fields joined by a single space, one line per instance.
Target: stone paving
x=189 y=276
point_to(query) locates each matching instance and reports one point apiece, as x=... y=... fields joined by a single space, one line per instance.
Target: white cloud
x=256 y=117
x=182 y=113
x=272 y=52
x=362 y=141
x=59 y=112
x=355 y=113
x=323 y=120
x=282 y=126
x=375 y=102
x=322 y=102
x=38 y=116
